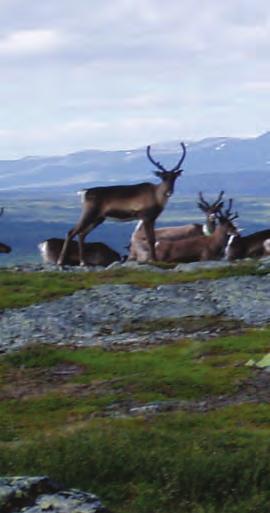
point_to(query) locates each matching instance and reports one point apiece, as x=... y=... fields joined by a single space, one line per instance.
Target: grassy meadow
x=71 y=412
x=62 y=413
x=19 y=289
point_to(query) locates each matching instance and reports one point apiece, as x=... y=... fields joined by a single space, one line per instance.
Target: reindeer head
x=211 y=210
x=226 y=219
x=168 y=177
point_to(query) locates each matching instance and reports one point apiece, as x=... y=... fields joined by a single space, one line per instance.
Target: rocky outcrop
x=99 y=316
x=40 y=494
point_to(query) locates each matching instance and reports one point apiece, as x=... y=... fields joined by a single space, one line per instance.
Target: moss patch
x=43 y=387
x=189 y=325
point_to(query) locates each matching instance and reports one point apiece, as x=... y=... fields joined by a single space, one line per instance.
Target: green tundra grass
x=18 y=289
x=58 y=417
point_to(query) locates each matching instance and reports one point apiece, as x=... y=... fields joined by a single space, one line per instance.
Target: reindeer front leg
x=150 y=236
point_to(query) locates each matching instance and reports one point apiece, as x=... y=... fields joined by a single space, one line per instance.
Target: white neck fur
x=229 y=243
x=206 y=230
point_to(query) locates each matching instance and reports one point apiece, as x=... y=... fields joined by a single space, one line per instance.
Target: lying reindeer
x=139 y=249
x=252 y=246
x=96 y=253
x=3 y=247
x=201 y=247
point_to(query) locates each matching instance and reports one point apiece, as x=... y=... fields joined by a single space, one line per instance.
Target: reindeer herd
x=217 y=237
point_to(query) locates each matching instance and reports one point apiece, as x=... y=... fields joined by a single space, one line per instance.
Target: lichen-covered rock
x=202 y=265
x=90 y=315
x=39 y=494
x=99 y=316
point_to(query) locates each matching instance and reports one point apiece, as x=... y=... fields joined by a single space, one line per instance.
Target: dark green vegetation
x=57 y=417
x=22 y=289
x=188 y=325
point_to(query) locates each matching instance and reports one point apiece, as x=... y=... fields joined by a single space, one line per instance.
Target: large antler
x=213 y=207
x=228 y=212
x=181 y=159
x=219 y=202
x=159 y=165
x=202 y=203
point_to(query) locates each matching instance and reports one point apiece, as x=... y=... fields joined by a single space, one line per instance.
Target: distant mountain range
x=240 y=166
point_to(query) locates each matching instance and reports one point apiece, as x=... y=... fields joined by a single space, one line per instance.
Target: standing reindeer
x=144 y=201
x=3 y=247
x=139 y=249
x=201 y=247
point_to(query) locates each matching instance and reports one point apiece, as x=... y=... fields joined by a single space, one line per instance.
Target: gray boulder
x=39 y=494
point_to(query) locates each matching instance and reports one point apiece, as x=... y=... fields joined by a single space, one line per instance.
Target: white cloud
x=30 y=42
x=257 y=86
x=118 y=74
x=83 y=125
x=6 y=134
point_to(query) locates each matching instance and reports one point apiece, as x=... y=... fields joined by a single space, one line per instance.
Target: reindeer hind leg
x=83 y=234
x=71 y=234
x=80 y=227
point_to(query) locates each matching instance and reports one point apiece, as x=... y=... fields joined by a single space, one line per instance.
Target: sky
x=119 y=74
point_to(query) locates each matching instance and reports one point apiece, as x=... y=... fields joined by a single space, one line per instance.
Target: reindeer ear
x=159 y=174
x=179 y=172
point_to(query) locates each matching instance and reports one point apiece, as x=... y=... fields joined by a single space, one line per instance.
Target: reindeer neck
x=209 y=226
x=207 y=229
x=219 y=237
x=162 y=190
